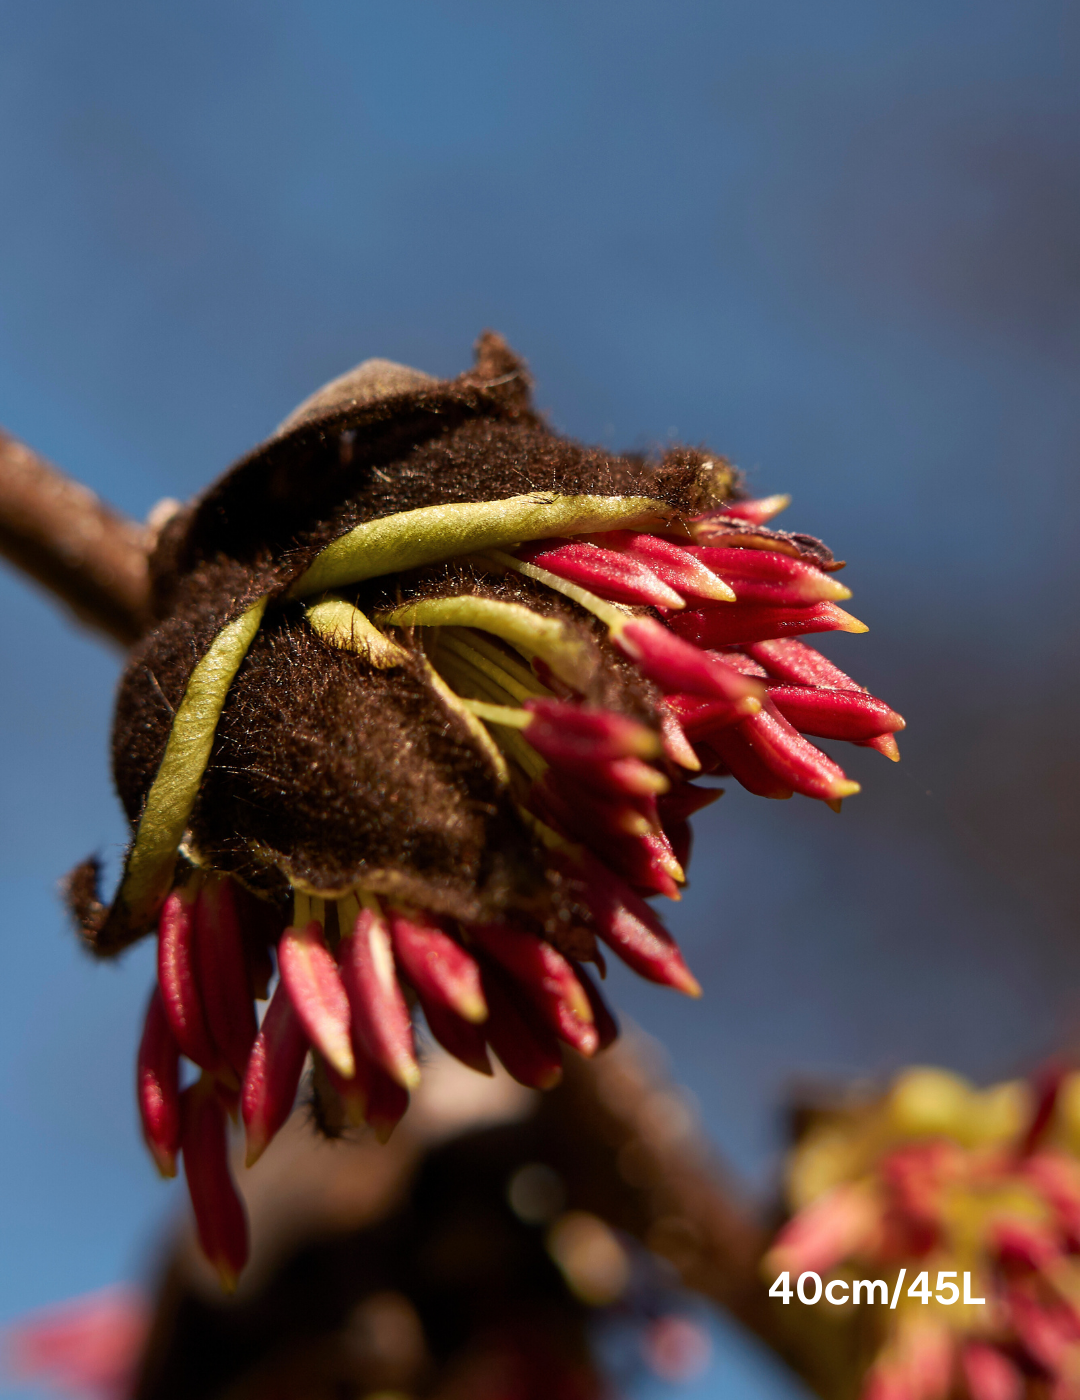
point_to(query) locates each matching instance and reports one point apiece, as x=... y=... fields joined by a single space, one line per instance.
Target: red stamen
x=622 y=777
x=273 y=1073
x=617 y=577
x=219 y=1212
x=739 y=626
x=766 y=576
x=677 y=746
x=662 y=861
x=788 y=659
x=381 y=1023
x=158 y=1080
x=527 y=1048
x=755 y=512
x=792 y=761
x=437 y=966
x=628 y=926
x=314 y=985
x=810 y=587
x=680 y=567
x=565 y=733
x=634 y=857
x=834 y=714
x=546 y=978
x=675 y=664
x=760 y=565
x=224 y=982
x=177 y=979
x=738 y=757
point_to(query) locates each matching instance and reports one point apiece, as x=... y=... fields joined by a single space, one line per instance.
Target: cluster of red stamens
x=741 y=610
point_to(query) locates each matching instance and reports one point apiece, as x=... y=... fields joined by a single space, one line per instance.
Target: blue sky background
x=837 y=240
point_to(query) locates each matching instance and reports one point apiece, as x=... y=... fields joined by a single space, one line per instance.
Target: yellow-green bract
x=343 y=625
x=527 y=631
x=431 y=534
x=148 y=873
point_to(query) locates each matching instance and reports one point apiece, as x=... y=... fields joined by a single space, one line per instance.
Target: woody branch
x=82 y=552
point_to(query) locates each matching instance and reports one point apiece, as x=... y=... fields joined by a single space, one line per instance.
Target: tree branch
x=77 y=548
x=639 y=1160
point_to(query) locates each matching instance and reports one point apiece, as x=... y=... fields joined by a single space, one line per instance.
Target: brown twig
x=81 y=551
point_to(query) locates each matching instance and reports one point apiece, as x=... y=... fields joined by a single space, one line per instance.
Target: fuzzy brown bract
x=326 y=771
x=333 y=773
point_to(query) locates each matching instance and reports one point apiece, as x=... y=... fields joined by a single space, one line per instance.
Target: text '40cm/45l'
x=809 y=1289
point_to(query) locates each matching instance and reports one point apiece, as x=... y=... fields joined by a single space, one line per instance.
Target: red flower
x=431 y=737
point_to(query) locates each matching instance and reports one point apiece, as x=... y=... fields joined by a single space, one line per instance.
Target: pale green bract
x=149 y=869
x=432 y=534
x=454 y=702
x=343 y=625
x=530 y=633
x=507 y=715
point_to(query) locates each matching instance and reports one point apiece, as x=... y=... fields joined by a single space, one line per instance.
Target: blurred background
x=838 y=241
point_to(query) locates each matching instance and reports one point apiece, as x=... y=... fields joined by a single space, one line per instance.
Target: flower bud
x=411 y=655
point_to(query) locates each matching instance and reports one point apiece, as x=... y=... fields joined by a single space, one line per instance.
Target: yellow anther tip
x=846 y=623
x=408 y=1076
x=472 y=1008
x=254 y=1151
x=342 y=1060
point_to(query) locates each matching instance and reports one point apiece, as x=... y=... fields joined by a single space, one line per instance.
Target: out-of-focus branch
x=641 y=1162
x=81 y=551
